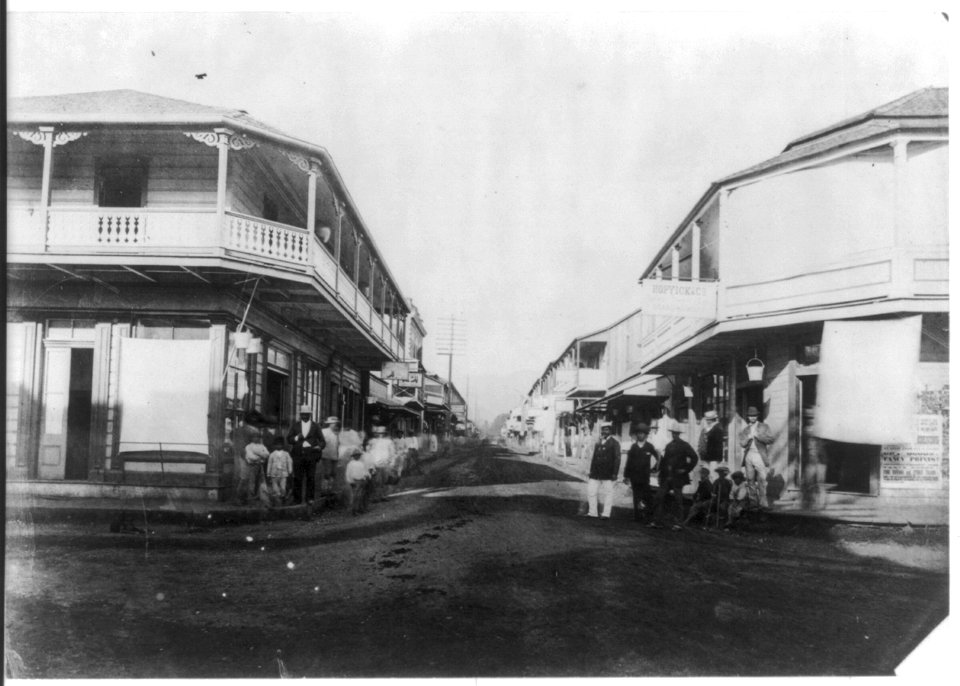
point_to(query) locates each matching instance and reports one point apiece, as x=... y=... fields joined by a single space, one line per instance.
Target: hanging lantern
x=255 y=347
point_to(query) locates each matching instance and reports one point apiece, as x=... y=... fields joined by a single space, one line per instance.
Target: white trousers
x=593 y=488
x=754 y=466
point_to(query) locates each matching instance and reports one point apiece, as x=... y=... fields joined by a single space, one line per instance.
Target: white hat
x=331 y=420
x=305 y=409
x=606 y=425
x=674 y=425
x=379 y=429
x=710 y=414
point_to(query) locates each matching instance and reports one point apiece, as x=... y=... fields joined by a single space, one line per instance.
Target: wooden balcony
x=187 y=236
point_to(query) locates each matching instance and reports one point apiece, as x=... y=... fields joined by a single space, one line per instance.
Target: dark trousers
x=668 y=496
x=641 y=494
x=304 y=476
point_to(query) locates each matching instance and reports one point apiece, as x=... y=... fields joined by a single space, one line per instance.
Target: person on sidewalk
x=306 y=444
x=679 y=459
x=604 y=468
x=254 y=458
x=357 y=478
x=330 y=455
x=754 y=439
x=279 y=469
x=382 y=456
x=640 y=459
x=710 y=445
x=702 y=497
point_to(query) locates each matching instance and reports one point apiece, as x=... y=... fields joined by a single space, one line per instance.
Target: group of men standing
x=674 y=466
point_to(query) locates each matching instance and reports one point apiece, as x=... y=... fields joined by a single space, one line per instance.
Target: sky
x=518 y=171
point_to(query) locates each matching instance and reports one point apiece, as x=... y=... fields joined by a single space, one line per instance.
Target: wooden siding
x=16 y=337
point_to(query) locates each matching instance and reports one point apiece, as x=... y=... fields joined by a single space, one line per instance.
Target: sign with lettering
x=679 y=298
x=403 y=374
x=916 y=464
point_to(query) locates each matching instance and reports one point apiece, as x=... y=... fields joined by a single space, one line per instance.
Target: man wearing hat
x=754 y=439
x=604 y=468
x=710 y=446
x=679 y=459
x=381 y=456
x=306 y=443
x=330 y=455
x=640 y=458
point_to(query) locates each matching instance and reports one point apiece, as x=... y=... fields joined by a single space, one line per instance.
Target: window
x=121 y=183
x=270 y=210
x=311 y=387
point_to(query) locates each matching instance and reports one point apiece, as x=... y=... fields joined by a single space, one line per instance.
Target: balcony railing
x=190 y=232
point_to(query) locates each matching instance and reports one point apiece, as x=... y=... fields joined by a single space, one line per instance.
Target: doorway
x=67 y=410
x=275 y=404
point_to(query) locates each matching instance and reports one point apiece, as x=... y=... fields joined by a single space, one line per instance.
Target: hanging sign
x=676 y=298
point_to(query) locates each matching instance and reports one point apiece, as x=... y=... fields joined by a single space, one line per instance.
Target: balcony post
x=356 y=271
x=47 y=137
x=339 y=208
x=695 y=250
x=223 y=148
x=312 y=206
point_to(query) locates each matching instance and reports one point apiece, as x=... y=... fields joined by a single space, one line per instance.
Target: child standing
x=279 y=469
x=254 y=457
x=357 y=476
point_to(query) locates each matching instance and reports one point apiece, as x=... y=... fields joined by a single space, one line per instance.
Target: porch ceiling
x=300 y=304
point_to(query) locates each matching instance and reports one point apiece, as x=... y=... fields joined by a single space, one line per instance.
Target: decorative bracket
x=39 y=137
x=308 y=166
x=223 y=137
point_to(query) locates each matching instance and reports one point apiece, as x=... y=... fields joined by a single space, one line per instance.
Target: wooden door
x=56 y=401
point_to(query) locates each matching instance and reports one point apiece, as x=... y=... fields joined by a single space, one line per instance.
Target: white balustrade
x=363 y=309
x=112 y=230
x=24 y=232
x=347 y=290
x=267 y=239
x=324 y=265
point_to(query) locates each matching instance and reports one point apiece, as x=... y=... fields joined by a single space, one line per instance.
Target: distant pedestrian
x=604 y=468
x=357 y=477
x=279 y=469
x=679 y=459
x=755 y=438
x=382 y=454
x=306 y=443
x=641 y=458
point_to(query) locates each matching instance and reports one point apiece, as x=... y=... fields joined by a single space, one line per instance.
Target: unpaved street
x=498 y=579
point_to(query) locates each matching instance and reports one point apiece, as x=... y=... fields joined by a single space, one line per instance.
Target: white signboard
x=916 y=464
x=675 y=298
x=404 y=374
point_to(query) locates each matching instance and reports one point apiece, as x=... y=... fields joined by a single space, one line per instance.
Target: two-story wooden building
x=814 y=286
x=172 y=269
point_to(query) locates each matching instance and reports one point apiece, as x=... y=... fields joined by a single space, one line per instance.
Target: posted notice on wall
x=916 y=464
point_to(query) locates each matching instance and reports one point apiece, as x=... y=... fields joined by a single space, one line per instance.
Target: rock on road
x=479 y=566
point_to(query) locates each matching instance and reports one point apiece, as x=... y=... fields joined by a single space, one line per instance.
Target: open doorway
x=67 y=402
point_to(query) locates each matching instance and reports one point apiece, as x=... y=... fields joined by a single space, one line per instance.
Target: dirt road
x=478 y=567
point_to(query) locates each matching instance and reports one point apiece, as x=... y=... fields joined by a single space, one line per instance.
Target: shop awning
x=867 y=388
x=392 y=405
x=635 y=389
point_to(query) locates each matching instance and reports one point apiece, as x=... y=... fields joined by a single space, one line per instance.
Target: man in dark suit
x=679 y=459
x=604 y=468
x=637 y=471
x=306 y=443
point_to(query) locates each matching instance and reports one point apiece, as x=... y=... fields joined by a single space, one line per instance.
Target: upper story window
x=121 y=182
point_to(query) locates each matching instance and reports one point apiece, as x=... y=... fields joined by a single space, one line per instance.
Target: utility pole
x=452 y=340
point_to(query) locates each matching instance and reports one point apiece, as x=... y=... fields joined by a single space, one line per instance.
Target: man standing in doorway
x=710 y=447
x=604 y=469
x=754 y=439
x=306 y=443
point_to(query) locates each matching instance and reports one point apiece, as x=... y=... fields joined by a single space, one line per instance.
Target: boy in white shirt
x=254 y=457
x=279 y=469
x=357 y=476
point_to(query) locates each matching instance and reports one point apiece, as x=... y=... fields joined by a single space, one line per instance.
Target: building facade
x=814 y=286
x=175 y=272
